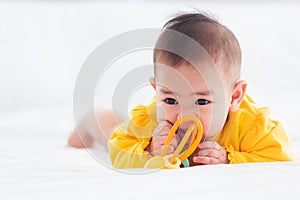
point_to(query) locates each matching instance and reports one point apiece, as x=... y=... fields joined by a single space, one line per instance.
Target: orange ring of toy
x=196 y=137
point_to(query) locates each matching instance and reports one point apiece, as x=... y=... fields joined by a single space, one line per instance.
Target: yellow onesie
x=249 y=135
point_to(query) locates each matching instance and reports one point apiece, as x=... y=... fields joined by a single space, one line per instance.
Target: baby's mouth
x=180 y=134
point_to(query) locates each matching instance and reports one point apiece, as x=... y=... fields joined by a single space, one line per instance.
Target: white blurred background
x=43 y=44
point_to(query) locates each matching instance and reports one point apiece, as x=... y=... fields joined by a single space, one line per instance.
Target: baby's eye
x=202 y=102
x=170 y=101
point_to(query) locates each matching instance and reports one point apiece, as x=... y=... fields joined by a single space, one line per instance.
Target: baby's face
x=182 y=91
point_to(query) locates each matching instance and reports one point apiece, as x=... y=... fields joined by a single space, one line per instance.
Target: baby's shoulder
x=140 y=116
x=249 y=110
x=252 y=117
x=143 y=115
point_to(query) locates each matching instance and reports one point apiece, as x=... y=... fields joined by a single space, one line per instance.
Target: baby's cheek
x=165 y=113
x=206 y=119
x=211 y=128
x=160 y=112
x=205 y=124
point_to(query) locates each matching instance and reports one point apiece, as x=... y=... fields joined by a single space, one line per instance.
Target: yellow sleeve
x=127 y=144
x=259 y=139
x=271 y=146
x=126 y=151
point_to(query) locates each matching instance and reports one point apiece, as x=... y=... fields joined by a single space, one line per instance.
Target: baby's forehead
x=182 y=76
x=189 y=77
x=204 y=68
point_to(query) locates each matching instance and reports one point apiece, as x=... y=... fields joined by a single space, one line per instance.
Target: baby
x=197 y=65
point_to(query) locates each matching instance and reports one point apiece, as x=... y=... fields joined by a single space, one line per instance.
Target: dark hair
x=217 y=40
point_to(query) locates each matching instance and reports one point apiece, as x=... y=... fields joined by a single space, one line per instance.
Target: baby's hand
x=159 y=139
x=209 y=153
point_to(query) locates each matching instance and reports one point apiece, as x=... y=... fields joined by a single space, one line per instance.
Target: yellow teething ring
x=195 y=139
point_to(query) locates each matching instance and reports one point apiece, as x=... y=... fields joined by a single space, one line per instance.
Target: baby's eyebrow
x=200 y=93
x=204 y=93
x=164 y=91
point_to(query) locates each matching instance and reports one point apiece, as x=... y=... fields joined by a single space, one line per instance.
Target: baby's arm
x=159 y=138
x=271 y=144
x=87 y=132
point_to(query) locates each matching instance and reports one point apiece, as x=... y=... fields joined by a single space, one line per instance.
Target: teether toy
x=174 y=160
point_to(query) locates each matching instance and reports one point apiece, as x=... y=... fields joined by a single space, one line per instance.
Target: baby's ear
x=152 y=82
x=237 y=95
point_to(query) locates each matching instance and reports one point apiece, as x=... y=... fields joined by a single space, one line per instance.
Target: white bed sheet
x=44 y=168
x=38 y=164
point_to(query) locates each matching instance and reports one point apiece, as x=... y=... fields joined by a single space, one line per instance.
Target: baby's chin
x=211 y=137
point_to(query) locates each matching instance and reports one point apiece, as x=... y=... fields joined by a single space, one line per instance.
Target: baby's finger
x=171 y=149
x=209 y=145
x=157 y=144
x=221 y=154
x=174 y=142
x=172 y=146
x=159 y=141
x=163 y=128
x=206 y=160
x=209 y=153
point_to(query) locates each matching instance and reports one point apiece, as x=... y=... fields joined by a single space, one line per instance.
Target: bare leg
x=89 y=131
